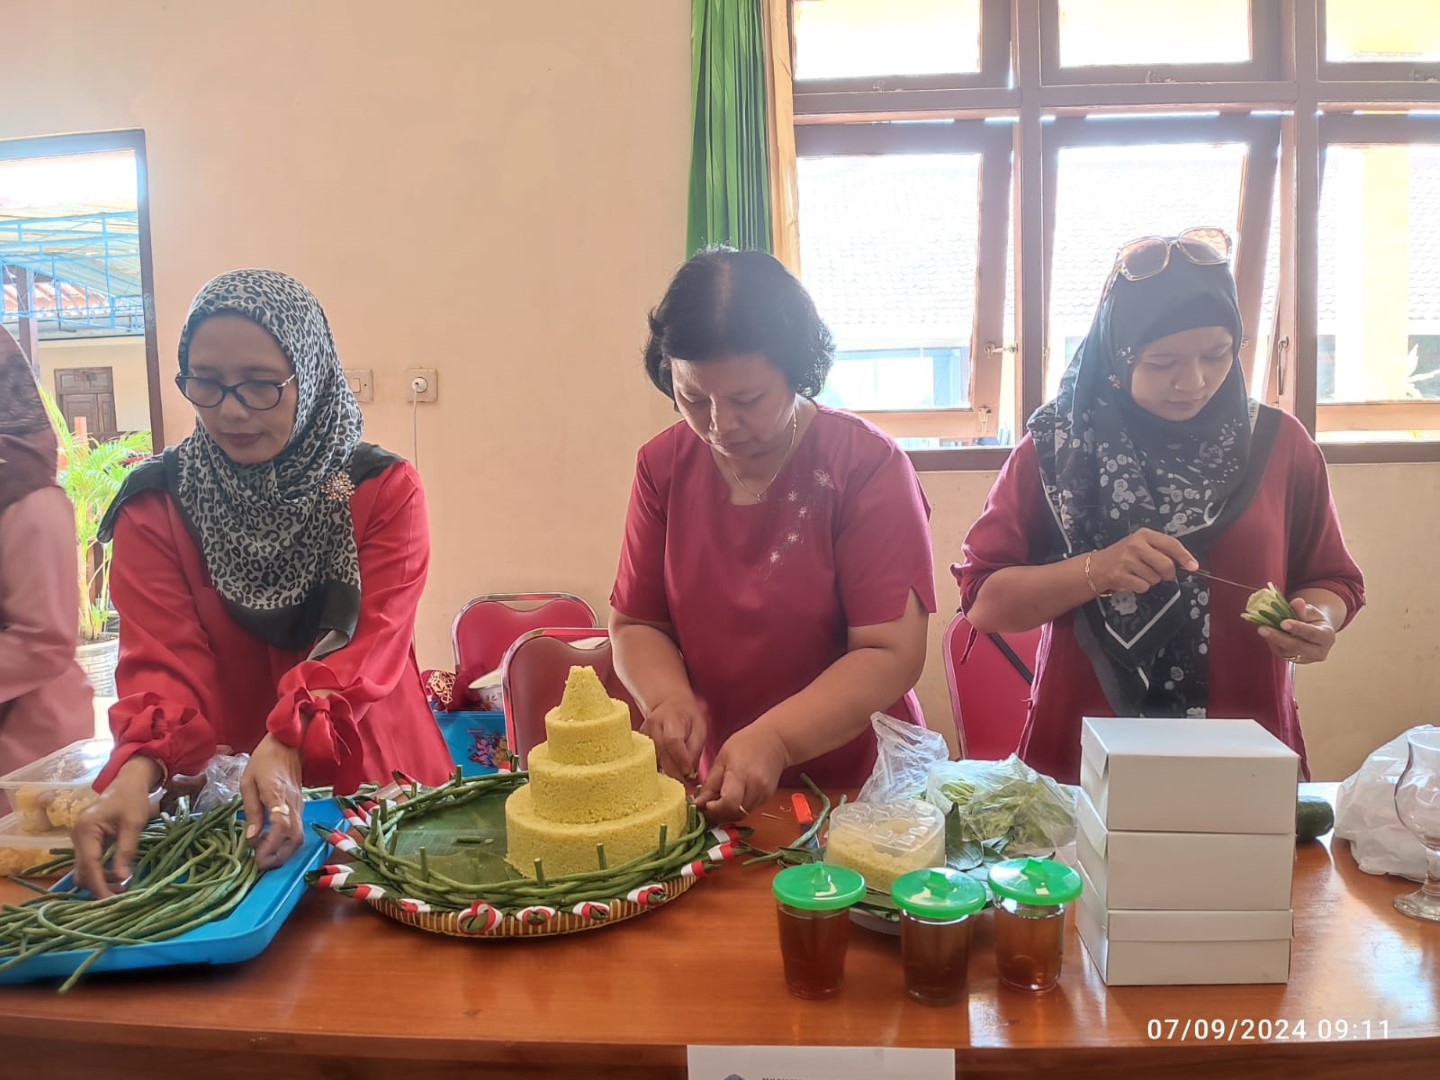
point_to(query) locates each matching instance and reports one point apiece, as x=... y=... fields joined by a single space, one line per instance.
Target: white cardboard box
x=1178 y=775
x=1167 y=871
x=1184 y=948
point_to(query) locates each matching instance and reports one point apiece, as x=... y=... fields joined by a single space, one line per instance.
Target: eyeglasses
x=257 y=395
x=1150 y=255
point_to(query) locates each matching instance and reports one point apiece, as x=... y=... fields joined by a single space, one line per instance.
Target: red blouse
x=191 y=679
x=761 y=596
x=1289 y=534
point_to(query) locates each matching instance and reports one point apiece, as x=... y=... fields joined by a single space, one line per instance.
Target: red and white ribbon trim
x=479 y=918
x=536 y=915
x=725 y=834
x=356 y=816
x=415 y=907
x=646 y=895
x=696 y=869
x=370 y=892
x=591 y=909
x=342 y=843
x=720 y=852
x=334 y=876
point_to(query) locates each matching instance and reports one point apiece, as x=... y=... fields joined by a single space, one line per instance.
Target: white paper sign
x=819 y=1063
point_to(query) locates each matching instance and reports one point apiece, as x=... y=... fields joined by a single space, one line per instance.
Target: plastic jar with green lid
x=814 y=903
x=1031 y=896
x=935 y=932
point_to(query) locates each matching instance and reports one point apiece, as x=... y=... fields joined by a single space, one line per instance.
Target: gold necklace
x=759 y=496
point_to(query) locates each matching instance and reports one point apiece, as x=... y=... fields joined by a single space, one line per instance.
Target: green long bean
x=190 y=870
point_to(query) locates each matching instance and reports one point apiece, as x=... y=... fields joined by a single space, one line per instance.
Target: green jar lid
x=818 y=887
x=1038 y=882
x=941 y=894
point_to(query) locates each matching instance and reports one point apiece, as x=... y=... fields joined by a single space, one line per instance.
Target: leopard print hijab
x=278 y=538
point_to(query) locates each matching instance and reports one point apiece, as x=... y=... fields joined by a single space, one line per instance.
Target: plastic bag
x=907 y=753
x=1003 y=801
x=1365 y=815
x=222 y=781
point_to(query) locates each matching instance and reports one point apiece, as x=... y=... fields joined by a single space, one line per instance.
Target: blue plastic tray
x=241 y=935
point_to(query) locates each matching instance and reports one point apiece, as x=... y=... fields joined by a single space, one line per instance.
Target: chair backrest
x=534 y=679
x=488 y=625
x=989 y=694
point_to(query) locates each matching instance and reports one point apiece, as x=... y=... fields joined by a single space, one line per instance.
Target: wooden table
x=345 y=993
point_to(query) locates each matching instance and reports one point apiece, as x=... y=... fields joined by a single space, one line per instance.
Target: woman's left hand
x=273 y=799
x=1306 y=639
x=743 y=775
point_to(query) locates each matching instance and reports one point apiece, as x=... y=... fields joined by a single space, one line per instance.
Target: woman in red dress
x=776 y=579
x=1149 y=472
x=267 y=572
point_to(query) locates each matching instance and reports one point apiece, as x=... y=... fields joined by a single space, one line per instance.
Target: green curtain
x=729 y=161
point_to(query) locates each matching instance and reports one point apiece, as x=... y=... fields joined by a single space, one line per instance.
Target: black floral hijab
x=1109 y=467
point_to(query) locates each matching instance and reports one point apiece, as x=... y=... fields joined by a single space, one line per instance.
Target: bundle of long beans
x=189 y=871
x=418 y=880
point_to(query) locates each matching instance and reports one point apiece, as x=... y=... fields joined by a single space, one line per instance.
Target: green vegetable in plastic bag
x=1002 y=809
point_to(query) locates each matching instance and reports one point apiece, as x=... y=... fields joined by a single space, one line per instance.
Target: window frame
x=906 y=96
x=1368 y=71
x=133 y=140
x=1263 y=66
x=1260 y=134
x=1349 y=129
x=1286 y=77
x=991 y=142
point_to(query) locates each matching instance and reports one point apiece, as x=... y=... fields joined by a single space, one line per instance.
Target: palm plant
x=91 y=473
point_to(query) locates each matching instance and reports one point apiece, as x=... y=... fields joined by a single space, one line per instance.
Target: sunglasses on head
x=1150 y=255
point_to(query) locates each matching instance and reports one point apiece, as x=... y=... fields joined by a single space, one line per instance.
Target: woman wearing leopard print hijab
x=267 y=572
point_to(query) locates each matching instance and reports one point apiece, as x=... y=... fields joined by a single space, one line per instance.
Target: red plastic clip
x=801 y=805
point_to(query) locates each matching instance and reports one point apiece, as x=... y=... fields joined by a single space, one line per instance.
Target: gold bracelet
x=1091 y=581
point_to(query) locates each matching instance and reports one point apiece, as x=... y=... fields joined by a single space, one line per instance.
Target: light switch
x=362 y=384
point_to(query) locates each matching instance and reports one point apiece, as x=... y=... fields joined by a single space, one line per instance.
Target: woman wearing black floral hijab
x=1151 y=464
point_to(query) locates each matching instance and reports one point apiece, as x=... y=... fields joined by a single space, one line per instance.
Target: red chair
x=989 y=677
x=489 y=625
x=535 y=670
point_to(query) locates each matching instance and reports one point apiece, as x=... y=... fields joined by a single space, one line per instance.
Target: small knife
x=1225 y=581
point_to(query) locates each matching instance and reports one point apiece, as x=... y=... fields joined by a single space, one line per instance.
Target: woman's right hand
x=1138 y=563
x=119 y=814
x=679 y=726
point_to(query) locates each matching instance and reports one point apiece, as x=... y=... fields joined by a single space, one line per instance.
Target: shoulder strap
x=1013 y=657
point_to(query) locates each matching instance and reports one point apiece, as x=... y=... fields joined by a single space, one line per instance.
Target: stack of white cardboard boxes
x=1186 y=846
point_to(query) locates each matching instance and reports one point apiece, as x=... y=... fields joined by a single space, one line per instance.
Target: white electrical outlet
x=422 y=384
x=362 y=384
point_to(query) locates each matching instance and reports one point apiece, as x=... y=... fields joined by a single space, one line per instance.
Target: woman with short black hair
x=775 y=580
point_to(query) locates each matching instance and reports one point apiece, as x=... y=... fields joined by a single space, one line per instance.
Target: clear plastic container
x=20 y=850
x=884 y=841
x=50 y=793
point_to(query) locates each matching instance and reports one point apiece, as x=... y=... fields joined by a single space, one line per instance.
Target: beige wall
x=497 y=190
x=124 y=356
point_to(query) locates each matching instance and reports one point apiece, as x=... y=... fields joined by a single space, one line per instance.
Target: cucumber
x=1314 y=817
